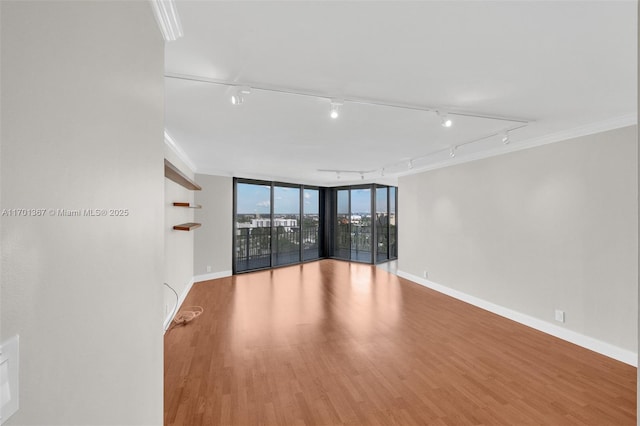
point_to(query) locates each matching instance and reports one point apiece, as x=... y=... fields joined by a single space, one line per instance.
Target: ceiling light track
x=444 y=113
x=340 y=173
x=451 y=150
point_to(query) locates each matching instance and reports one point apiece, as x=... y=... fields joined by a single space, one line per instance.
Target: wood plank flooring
x=330 y=343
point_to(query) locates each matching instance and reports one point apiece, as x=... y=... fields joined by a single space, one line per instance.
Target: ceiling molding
x=386 y=180
x=259 y=176
x=167 y=18
x=168 y=140
x=564 y=135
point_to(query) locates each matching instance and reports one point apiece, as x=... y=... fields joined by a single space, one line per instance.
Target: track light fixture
x=505 y=137
x=445 y=120
x=453 y=150
x=335 y=105
x=239 y=92
x=349 y=173
x=238 y=97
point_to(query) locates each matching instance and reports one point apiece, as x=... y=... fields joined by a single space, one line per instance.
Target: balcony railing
x=254 y=246
x=355 y=242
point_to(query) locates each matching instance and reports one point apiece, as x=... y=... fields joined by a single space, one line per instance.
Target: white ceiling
x=565 y=67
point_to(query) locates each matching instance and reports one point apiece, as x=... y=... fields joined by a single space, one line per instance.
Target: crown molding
x=168 y=140
x=166 y=14
x=563 y=135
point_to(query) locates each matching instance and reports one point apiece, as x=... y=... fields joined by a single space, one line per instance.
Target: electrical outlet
x=559 y=315
x=425 y=274
x=208 y=268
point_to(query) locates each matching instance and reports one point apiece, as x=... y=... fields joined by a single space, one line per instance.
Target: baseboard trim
x=212 y=276
x=187 y=289
x=181 y=298
x=607 y=349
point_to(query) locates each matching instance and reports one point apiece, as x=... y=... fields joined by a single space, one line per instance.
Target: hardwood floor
x=331 y=342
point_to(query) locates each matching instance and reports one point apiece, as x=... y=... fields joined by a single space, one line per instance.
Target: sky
x=254 y=199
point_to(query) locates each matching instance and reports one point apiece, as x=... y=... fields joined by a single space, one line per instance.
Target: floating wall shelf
x=173 y=173
x=186 y=226
x=187 y=205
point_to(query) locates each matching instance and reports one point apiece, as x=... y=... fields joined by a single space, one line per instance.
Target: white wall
x=178 y=245
x=82 y=128
x=213 y=242
x=554 y=227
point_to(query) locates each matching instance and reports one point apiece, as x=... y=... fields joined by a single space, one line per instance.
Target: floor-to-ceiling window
x=279 y=224
x=393 y=228
x=361 y=225
x=275 y=224
x=252 y=226
x=342 y=234
x=364 y=223
x=311 y=223
x=286 y=225
x=382 y=224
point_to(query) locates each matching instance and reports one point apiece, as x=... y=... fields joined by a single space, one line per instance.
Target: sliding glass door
x=279 y=224
x=342 y=233
x=311 y=224
x=275 y=224
x=286 y=225
x=253 y=226
x=364 y=223
x=382 y=224
x=361 y=241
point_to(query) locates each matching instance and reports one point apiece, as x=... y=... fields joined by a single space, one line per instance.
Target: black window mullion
x=301 y=224
x=272 y=232
x=373 y=230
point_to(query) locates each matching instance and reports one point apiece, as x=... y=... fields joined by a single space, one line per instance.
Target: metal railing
x=355 y=242
x=254 y=246
x=263 y=247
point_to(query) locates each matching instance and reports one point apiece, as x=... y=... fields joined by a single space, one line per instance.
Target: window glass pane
x=342 y=236
x=286 y=225
x=311 y=224
x=382 y=225
x=253 y=226
x=361 y=241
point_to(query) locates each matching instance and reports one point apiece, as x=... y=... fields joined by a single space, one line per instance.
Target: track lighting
x=445 y=121
x=335 y=105
x=338 y=175
x=382 y=172
x=410 y=164
x=452 y=151
x=239 y=92
x=505 y=137
x=361 y=176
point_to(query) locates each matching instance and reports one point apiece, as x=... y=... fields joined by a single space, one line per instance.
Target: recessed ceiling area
x=543 y=68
